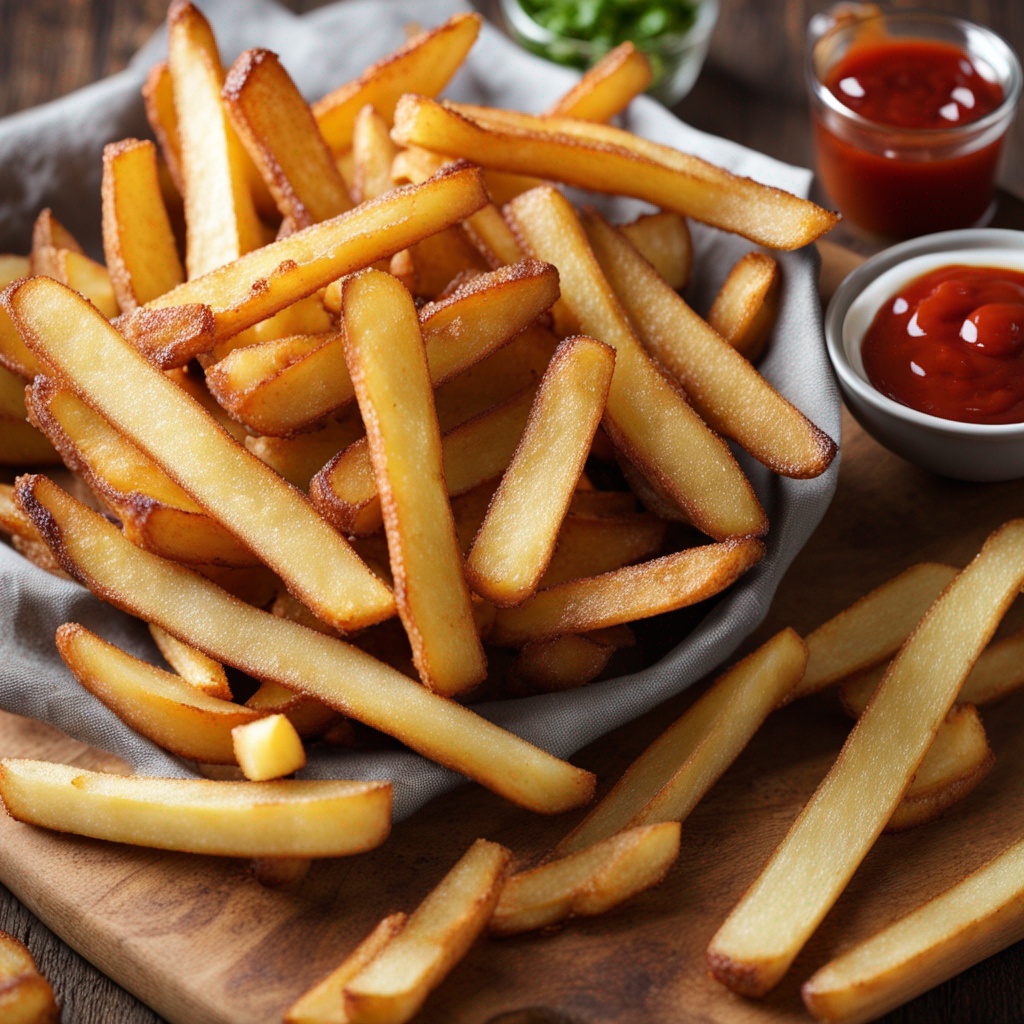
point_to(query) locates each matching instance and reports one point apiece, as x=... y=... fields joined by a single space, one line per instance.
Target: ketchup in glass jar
x=909 y=121
x=951 y=344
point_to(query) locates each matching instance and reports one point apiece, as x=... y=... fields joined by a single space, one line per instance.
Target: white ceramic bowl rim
x=962 y=242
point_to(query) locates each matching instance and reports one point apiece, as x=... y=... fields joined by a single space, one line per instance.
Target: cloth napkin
x=51 y=156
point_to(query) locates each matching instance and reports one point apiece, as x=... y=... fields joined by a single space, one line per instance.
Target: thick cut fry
x=299 y=458
x=392 y=987
x=745 y=308
x=157 y=704
x=811 y=867
x=14 y=356
x=267 y=647
x=637 y=592
x=268 y=748
x=663 y=239
x=25 y=995
x=424 y=65
x=270 y=517
x=286 y=818
x=199 y=671
x=195 y=316
x=138 y=243
x=325 y=1002
x=346 y=491
x=962 y=926
x=278 y=129
x=158 y=96
x=220 y=216
x=646 y=416
x=873 y=628
x=606 y=159
x=724 y=388
x=563 y=663
x=517 y=539
x=590 y=882
x=675 y=772
x=608 y=87
x=388 y=365
x=373 y=153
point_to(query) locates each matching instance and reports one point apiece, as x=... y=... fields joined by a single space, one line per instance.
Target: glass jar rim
x=1012 y=85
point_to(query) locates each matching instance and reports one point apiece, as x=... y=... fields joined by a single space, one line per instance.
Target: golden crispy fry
x=324 y=1003
x=663 y=239
x=299 y=458
x=606 y=159
x=388 y=365
x=514 y=545
x=646 y=416
x=159 y=705
x=728 y=393
x=228 y=482
x=267 y=647
x=392 y=987
x=563 y=663
x=280 y=133
x=141 y=253
x=25 y=995
x=608 y=87
x=745 y=308
x=873 y=628
x=268 y=748
x=674 y=773
x=220 y=216
x=195 y=316
x=14 y=356
x=229 y=819
x=423 y=65
x=975 y=919
x=636 y=592
x=373 y=153
x=811 y=867
x=205 y=674
x=590 y=882
x=158 y=96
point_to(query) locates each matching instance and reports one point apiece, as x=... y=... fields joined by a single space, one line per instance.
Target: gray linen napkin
x=51 y=156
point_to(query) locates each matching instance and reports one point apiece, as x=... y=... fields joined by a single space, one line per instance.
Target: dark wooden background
x=751 y=91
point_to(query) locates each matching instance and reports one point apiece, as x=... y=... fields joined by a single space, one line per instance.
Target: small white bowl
x=965 y=451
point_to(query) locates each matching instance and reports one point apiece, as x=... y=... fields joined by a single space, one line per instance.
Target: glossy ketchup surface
x=951 y=343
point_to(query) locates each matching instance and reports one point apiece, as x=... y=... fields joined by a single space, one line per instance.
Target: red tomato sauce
x=951 y=343
x=909 y=85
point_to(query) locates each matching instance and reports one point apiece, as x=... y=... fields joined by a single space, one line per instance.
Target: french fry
x=392 y=987
x=756 y=945
x=280 y=133
x=298 y=459
x=873 y=628
x=646 y=416
x=220 y=216
x=388 y=365
x=268 y=748
x=159 y=705
x=514 y=545
x=205 y=674
x=158 y=97
x=663 y=239
x=606 y=159
x=636 y=592
x=25 y=995
x=745 y=308
x=724 y=388
x=675 y=772
x=286 y=818
x=138 y=243
x=608 y=87
x=424 y=65
x=228 y=482
x=14 y=356
x=195 y=316
x=973 y=920
x=563 y=663
x=324 y=1003
x=202 y=615
x=373 y=153
x=590 y=882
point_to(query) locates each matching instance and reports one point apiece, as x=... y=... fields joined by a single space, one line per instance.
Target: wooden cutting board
x=202 y=943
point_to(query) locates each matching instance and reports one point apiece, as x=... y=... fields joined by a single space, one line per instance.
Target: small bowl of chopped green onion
x=674 y=34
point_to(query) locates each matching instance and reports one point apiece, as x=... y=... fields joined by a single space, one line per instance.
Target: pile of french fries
x=339 y=391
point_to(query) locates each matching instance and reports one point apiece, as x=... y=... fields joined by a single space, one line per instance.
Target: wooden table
x=50 y=47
